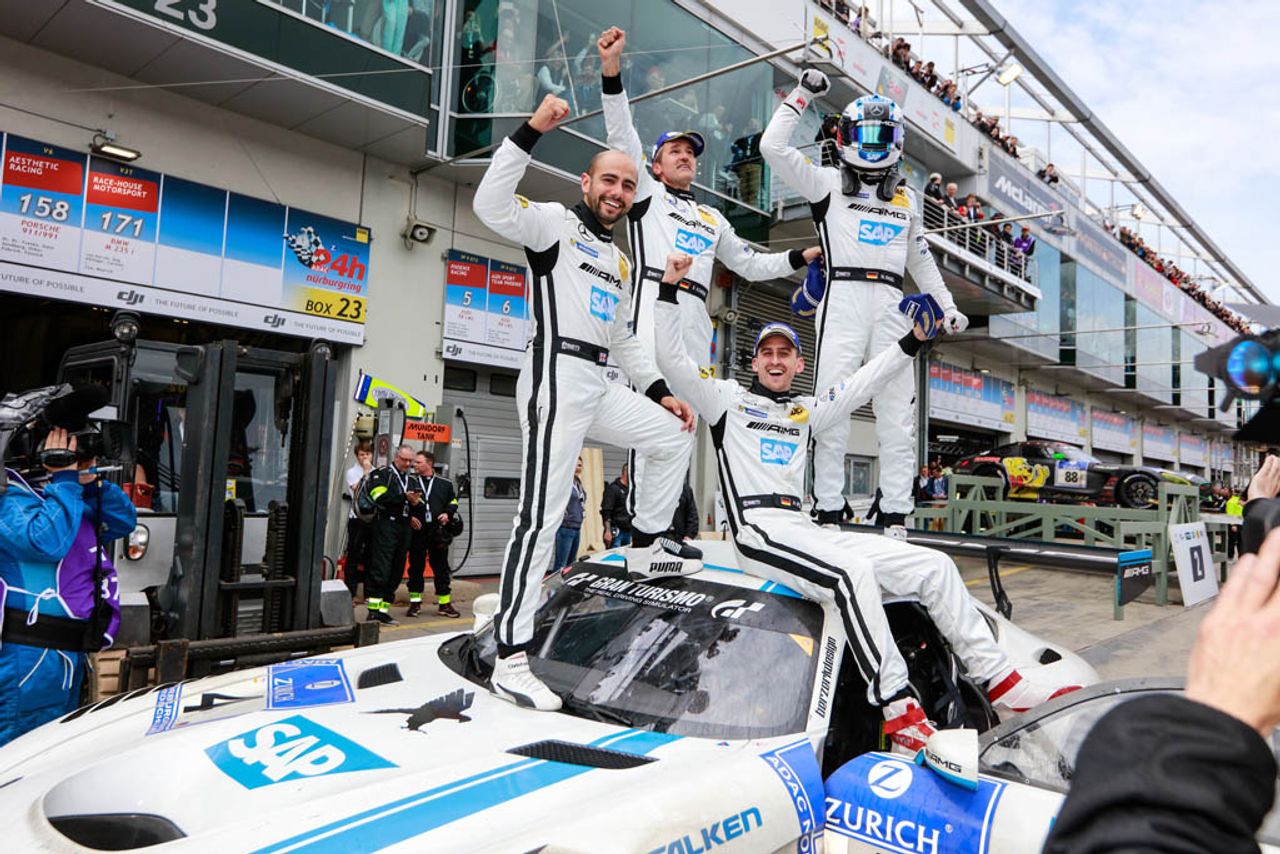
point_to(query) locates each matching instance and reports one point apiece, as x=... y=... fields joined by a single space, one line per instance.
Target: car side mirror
x=952 y=754
x=484 y=607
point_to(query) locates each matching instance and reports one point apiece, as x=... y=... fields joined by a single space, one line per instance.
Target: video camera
x=27 y=418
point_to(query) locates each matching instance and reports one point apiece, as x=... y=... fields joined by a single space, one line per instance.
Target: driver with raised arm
x=761 y=435
x=666 y=218
x=580 y=294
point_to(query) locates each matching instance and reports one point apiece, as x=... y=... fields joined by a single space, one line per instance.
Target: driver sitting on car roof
x=761 y=436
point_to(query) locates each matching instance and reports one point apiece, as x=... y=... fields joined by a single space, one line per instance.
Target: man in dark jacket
x=433 y=529
x=1196 y=773
x=395 y=490
x=684 y=526
x=613 y=509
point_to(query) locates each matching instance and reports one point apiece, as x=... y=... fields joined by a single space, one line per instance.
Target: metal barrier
x=977 y=513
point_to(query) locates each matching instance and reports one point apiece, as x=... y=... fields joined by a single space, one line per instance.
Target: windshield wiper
x=594 y=712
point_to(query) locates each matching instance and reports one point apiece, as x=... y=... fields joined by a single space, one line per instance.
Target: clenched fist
x=677 y=265
x=550 y=113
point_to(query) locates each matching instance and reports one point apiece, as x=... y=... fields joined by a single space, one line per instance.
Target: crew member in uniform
x=396 y=492
x=761 y=436
x=581 y=307
x=434 y=522
x=666 y=218
x=870 y=227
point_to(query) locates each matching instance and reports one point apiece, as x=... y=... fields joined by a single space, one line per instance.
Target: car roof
x=720 y=566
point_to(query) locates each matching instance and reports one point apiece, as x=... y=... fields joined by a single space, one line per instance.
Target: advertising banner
x=1015 y=191
x=1192 y=555
x=1192 y=450
x=1114 y=432
x=1101 y=251
x=1158 y=443
x=1058 y=418
x=79 y=227
x=486 y=310
x=970 y=397
x=1133 y=575
x=1154 y=290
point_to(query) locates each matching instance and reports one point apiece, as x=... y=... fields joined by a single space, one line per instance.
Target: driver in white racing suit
x=580 y=292
x=870 y=228
x=760 y=436
x=666 y=218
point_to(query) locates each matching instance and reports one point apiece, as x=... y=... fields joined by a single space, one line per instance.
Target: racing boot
x=514 y=682
x=1011 y=692
x=661 y=557
x=907 y=725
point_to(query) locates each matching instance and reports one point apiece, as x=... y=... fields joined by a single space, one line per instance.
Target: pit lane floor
x=1070 y=608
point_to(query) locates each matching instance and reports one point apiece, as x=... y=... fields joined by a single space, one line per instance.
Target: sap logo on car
x=290 y=749
x=604 y=305
x=715 y=834
x=885 y=802
x=878 y=233
x=690 y=243
x=732 y=609
x=775 y=453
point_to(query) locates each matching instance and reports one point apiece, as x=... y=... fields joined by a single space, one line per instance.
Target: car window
x=678 y=655
x=1071 y=452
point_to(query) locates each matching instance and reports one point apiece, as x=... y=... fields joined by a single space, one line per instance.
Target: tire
x=1137 y=491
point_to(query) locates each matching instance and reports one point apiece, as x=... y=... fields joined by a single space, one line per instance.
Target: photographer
x=1262 y=507
x=57 y=582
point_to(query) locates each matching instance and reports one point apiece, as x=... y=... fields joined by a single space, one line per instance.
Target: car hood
x=403 y=758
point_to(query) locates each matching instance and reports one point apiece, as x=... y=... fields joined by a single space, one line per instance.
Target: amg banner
x=1133 y=575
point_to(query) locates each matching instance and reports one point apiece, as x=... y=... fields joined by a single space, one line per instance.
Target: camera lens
x=1250 y=368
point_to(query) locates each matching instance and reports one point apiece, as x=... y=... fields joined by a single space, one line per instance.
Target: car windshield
x=1070 y=452
x=678 y=655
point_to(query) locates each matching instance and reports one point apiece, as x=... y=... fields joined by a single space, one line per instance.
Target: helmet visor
x=872 y=135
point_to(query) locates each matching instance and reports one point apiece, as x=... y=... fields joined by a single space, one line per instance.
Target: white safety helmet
x=869 y=133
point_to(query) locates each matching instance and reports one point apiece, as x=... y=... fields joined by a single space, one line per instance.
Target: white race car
x=701 y=713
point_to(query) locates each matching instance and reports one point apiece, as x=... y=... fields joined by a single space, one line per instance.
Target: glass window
x=405 y=28
x=859 y=476
x=1097 y=305
x=1048 y=314
x=459 y=379
x=1153 y=351
x=258 y=465
x=502 y=487
x=1194 y=396
x=502 y=385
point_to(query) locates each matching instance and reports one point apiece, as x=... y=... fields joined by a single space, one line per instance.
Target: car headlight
x=138 y=541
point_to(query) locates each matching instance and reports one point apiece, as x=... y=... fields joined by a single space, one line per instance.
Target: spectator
x=1025 y=244
x=358 y=530
x=951 y=201
x=432 y=523
x=972 y=212
x=613 y=510
x=933 y=189
x=1004 y=244
x=1010 y=144
x=928 y=77
x=389 y=489
x=938 y=481
x=826 y=139
x=933 y=209
x=917 y=70
x=923 y=486
x=1049 y=174
x=748 y=165
x=684 y=525
x=569 y=536
x=951 y=97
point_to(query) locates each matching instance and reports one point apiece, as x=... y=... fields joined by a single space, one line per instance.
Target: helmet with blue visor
x=869 y=133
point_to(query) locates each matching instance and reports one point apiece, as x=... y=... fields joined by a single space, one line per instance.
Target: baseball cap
x=777 y=329
x=695 y=139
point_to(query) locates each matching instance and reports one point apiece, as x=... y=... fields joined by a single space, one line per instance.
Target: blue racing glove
x=805 y=299
x=923 y=311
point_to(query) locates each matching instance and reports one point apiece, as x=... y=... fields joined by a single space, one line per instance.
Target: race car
x=1056 y=471
x=714 y=711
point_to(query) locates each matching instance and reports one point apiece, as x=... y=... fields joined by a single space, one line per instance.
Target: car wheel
x=1137 y=491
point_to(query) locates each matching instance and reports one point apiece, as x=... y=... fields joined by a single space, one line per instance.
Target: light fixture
x=125 y=326
x=104 y=143
x=1009 y=73
x=1138 y=211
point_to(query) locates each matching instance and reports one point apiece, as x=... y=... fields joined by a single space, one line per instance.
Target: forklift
x=229 y=469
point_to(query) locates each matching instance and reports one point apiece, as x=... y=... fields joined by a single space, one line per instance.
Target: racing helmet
x=869 y=133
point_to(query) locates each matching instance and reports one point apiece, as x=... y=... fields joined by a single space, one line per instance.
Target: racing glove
x=954 y=322
x=923 y=311
x=805 y=298
x=814 y=82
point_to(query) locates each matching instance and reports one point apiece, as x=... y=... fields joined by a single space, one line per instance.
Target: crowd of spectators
x=924 y=73
x=993 y=239
x=1179 y=277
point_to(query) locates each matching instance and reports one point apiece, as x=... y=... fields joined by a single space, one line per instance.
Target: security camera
x=417 y=231
x=726 y=315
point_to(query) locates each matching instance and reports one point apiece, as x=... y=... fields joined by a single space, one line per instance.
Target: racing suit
x=760 y=439
x=866 y=244
x=664 y=220
x=581 y=305
x=48 y=562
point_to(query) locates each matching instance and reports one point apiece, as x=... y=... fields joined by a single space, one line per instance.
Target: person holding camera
x=57 y=583
x=434 y=522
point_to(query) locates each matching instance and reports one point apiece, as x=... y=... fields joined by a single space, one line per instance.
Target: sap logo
x=732 y=609
x=890 y=779
x=690 y=243
x=290 y=749
x=878 y=233
x=275 y=321
x=604 y=305
x=129 y=297
x=599 y=274
x=769 y=427
x=774 y=453
x=713 y=835
x=585 y=249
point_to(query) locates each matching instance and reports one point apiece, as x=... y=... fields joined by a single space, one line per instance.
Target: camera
x=26 y=420
x=417 y=231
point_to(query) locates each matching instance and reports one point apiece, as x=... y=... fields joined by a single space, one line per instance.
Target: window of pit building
x=459 y=379
x=502 y=385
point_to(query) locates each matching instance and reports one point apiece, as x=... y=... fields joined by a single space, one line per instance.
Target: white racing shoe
x=514 y=682
x=1013 y=693
x=907 y=726
x=664 y=558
